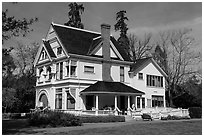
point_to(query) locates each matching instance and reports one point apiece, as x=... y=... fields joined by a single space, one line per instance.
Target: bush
x=53 y=119
x=169 y=117
x=15 y=116
x=146 y=116
x=195 y=112
x=102 y=119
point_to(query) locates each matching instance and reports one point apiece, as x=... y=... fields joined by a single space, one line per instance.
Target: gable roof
x=105 y=87
x=141 y=63
x=82 y=42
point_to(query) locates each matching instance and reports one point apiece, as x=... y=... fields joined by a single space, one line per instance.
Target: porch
x=112 y=98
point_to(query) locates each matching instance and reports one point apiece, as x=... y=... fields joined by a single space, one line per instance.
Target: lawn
x=177 y=127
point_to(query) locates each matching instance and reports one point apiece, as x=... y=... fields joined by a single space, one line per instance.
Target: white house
x=84 y=71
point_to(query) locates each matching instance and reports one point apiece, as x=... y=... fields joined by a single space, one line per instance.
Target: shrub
x=53 y=119
x=169 y=117
x=195 y=112
x=102 y=119
x=146 y=116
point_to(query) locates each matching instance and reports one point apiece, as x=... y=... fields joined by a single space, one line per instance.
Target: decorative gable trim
x=42 y=46
x=116 y=51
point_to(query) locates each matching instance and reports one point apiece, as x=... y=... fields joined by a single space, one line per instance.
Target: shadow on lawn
x=18 y=126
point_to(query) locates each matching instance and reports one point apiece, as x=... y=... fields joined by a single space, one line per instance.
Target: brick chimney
x=106 y=66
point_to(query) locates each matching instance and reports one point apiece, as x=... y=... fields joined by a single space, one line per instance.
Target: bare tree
x=139 y=48
x=178 y=58
x=24 y=56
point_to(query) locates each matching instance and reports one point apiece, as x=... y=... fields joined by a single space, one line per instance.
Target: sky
x=143 y=17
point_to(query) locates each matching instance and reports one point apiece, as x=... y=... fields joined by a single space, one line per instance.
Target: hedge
x=101 y=119
x=15 y=115
x=169 y=117
x=195 y=112
x=54 y=119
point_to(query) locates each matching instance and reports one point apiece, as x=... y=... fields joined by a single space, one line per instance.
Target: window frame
x=89 y=67
x=122 y=75
x=139 y=76
x=154 y=81
x=58 y=93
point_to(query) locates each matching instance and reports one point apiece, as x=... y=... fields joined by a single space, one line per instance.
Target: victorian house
x=84 y=71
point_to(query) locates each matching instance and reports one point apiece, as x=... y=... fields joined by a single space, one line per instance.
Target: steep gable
x=83 y=42
x=142 y=63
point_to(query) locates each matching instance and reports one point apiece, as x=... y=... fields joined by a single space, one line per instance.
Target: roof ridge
x=89 y=31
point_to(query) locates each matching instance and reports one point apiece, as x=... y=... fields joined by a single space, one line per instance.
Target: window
x=73 y=68
x=140 y=76
x=157 y=101
x=59 y=70
x=122 y=76
x=58 y=98
x=70 y=99
x=59 y=50
x=49 y=73
x=154 y=81
x=89 y=69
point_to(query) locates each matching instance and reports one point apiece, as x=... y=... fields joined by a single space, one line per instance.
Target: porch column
x=136 y=102
x=96 y=104
x=116 y=113
x=116 y=101
x=128 y=101
x=141 y=102
x=128 y=110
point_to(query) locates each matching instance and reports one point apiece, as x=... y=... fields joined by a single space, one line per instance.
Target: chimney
x=106 y=66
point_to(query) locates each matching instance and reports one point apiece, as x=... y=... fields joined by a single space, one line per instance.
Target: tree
x=122 y=27
x=74 y=15
x=178 y=58
x=15 y=27
x=12 y=27
x=24 y=56
x=8 y=98
x=139 y=48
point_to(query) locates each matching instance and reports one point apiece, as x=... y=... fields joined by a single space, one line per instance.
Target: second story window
x=49 y=73
x=154 y=81
x=122 y=75
x=59 y=70
x=89 y=69
x=59 y=50
x=140 y=76
x=71 y=66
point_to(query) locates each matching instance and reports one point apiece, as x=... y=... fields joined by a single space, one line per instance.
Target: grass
x=174 y=127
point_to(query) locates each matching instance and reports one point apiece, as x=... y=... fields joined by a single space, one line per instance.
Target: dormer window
x=59 y=50
x=140 y=76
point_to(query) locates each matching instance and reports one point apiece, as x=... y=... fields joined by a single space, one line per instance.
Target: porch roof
x=105 y=87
